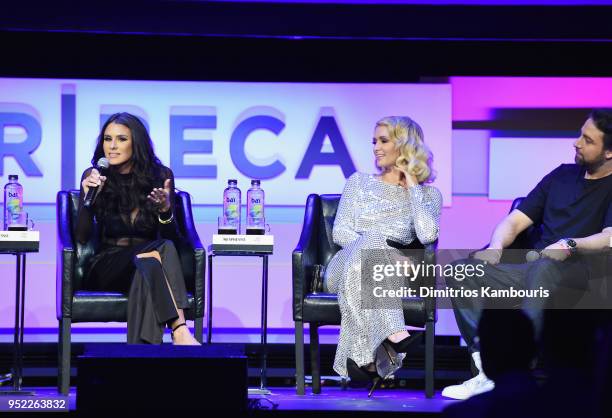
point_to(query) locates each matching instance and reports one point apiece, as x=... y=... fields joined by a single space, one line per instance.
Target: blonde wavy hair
x=415 y=157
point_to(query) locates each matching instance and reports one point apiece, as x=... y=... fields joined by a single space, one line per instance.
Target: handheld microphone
x=532 y=256
x=91 y=193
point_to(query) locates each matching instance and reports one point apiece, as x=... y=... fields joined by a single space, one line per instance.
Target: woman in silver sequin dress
x=394 y=205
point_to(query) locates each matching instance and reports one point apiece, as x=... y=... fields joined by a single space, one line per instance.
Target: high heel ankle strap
x=182 y=324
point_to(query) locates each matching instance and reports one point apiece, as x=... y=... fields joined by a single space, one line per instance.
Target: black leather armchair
x=73 y=304
x=316 y=247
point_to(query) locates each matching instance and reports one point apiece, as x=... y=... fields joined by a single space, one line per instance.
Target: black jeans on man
x=565 y=281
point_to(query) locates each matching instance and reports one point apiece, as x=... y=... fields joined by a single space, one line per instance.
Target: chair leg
x=315 y=361
x=198 y=324
x=299 y=357
x=63 y=382
x=429 y=358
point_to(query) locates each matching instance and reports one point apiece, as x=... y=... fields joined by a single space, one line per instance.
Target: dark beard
x=578 y=160
x=591 y=167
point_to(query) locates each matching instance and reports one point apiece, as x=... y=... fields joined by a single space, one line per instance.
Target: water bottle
x=231 y=208
x=255 y=209
x=13 y=202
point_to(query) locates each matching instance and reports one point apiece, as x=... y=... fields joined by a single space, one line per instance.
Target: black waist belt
x=125 y=241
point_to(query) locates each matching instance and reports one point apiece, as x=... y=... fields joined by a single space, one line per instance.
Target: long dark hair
x=121 y=196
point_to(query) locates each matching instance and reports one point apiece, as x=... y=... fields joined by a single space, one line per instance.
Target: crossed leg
x=182 y=335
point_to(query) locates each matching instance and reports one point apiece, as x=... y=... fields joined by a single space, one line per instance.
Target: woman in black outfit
x=134 y=209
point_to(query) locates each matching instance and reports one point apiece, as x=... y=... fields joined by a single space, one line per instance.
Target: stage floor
x=336 y=399
x=331 y=399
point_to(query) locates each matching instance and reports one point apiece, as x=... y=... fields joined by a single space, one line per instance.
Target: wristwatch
x=570 y=243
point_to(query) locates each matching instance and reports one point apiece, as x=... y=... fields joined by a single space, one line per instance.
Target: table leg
x=264 y=322
x=209 y=302
x=17 y=354
x=22 y=321
x=17 y=371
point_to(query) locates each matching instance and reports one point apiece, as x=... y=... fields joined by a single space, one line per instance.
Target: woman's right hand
x=94 y=179
x=409 y=178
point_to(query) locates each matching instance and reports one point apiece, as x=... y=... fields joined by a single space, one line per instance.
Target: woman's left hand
x=161 y=197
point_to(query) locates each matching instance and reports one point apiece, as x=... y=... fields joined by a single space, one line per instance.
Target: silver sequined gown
x=370 y=211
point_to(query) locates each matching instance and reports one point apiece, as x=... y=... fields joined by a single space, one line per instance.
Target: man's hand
x=558 y=251
x=488 y=255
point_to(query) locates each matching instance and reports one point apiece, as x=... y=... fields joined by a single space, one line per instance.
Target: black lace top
x=115 y=226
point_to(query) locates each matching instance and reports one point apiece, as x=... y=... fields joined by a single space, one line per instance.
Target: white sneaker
x=474 y=386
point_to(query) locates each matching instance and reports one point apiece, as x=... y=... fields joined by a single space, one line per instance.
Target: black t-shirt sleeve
x=533 y=205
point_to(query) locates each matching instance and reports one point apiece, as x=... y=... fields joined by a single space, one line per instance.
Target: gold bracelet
x=167 y=221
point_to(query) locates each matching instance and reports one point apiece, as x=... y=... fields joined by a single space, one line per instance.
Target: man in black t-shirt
x=572 y=211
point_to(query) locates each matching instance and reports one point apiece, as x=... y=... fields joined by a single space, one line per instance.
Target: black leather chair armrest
x=430 y=258
x=65 y=258
x=305 y=255
x=199 y=255
x=193 y=246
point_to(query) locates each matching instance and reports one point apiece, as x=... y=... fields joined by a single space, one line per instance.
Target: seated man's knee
x=460 y=280
x=543 y=271
x=452 y=282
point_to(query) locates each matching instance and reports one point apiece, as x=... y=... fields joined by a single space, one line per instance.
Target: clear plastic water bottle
x=255 y=209
x=231 y=208
x=13 y=201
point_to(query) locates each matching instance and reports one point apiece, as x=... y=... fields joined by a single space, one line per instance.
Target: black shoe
x=362 y=375
x=403 y=345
